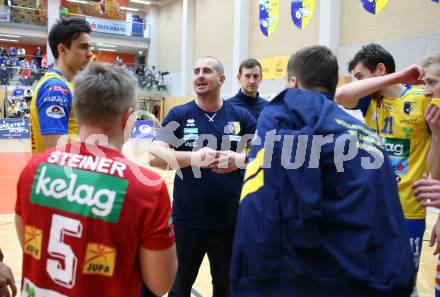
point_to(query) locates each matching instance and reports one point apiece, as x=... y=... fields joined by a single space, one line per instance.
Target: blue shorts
x=415 y=229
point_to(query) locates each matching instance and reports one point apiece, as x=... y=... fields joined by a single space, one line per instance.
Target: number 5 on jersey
x=60 y=227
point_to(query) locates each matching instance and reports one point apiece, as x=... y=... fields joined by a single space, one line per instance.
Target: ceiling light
x=105 y=45
x=106 y=49
x=141 y=2
x=8 y=40
x=7 y=35
x=128 y=8
x=78 y=1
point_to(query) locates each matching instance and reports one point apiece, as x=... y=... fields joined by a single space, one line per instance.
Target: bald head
x=208 y=76
x=217 y=65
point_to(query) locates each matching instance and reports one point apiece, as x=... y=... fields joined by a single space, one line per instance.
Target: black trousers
x=191 y=246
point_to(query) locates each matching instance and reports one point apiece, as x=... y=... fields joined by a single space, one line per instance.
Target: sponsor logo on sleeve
x=59 y=89
x=55 y=111
x=58 y=99
x=33 y=237
x=100 y=259
x=81 y=192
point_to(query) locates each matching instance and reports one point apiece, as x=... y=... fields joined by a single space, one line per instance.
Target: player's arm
x=19 y=228
x=163 y=153
x=229 y=161
x=157 y=252
x=348 y=95
x=158 y=269
x=165 y=157
x=54 y=104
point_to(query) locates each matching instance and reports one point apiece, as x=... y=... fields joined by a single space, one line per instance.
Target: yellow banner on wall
x=274 y=67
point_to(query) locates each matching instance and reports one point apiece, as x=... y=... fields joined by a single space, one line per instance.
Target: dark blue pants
x=415 y=229
x=191 y=246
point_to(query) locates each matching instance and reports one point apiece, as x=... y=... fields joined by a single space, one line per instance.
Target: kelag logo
x=85 y=193
x=397 y=147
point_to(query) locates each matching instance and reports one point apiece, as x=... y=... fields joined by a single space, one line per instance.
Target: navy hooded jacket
x=319 y=213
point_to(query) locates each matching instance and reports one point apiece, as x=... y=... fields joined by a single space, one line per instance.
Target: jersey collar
x=59 y=73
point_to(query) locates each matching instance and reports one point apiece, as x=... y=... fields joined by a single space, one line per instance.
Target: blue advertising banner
x=143 y=129
x=14 y=128
x=374 y=6
x=269 y=10
x=109 y=26
x=301 y=12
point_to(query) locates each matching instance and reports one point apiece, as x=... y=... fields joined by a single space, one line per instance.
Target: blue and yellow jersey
x=401 y=124
x=51 y=109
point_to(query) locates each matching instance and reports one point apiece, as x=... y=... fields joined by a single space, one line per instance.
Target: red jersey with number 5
x=85 y=213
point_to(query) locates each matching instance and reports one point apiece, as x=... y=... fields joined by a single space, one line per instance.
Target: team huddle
x=292 y=197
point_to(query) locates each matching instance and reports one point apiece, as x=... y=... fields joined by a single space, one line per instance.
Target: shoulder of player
x=233 y=100
x=271 y=111
x=181 y=110
x=417 y=93
x=262 y=101
x=237 y=111
x=234 y=108
x=54 y=85
x=183 y=107
x=39 y=158
x=144 y=179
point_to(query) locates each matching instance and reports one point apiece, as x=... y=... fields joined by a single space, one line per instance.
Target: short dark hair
x=66 y=30
x=316 y=68
x=372 y=54
x=249 y=63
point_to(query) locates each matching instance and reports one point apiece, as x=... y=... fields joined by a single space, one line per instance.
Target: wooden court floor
x=14 y=155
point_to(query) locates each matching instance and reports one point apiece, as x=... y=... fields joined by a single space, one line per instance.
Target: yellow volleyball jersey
x=51 y=109
x=400 y=123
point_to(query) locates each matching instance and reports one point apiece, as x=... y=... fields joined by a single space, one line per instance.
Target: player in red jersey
x=92 y=223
